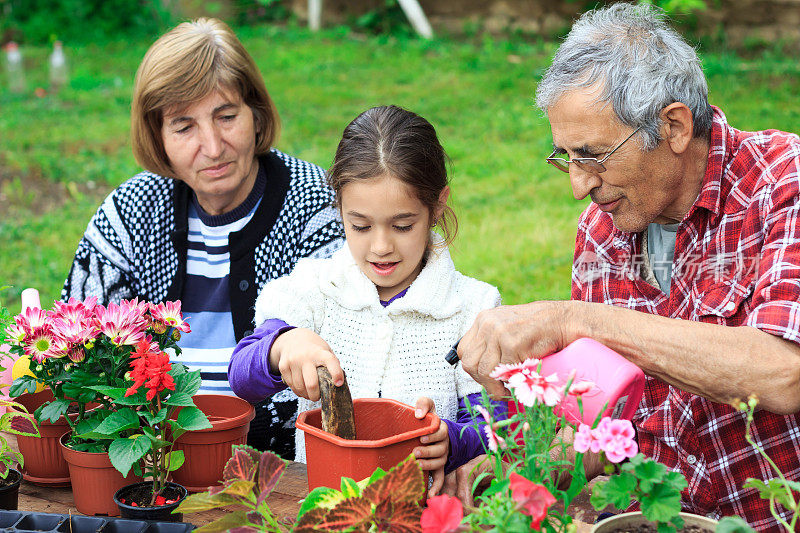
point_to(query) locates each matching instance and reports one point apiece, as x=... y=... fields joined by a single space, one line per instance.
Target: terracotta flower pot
x=386 y=433
x=629 y=521
x=94 y=481
x=206 y=451
x=44 y=464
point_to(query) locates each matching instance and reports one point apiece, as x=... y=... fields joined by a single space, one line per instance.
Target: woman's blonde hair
x=185 y=65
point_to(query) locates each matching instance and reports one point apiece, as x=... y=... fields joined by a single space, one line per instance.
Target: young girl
x=387 y=307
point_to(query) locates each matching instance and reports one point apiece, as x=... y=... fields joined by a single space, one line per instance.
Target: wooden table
x=284 y=501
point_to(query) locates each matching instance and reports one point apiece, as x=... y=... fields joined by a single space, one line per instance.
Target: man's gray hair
x=642 y=63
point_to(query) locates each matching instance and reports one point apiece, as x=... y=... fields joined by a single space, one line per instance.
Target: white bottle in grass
x=14 y=70
x=58 y=67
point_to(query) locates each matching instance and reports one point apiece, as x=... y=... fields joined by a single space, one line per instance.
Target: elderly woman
x=217 y=212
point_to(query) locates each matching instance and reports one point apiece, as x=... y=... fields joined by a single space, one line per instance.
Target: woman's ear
x=443 y=196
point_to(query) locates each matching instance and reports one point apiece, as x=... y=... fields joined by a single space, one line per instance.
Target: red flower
x=149 y=368
x=443 y=514
x=532 y=499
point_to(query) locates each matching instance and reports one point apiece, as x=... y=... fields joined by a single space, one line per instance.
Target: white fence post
x=417 y=17
x=314 y=14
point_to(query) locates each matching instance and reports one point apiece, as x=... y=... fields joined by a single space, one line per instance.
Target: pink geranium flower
x=532 y=499
x=169 y=314
x=616 y=438
x=585 y=440
x=443 y=514
x=494 y=440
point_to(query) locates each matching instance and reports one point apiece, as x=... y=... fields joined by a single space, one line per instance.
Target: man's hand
x=510 y=334
x=296 y=354
x=459 y=482
x=435 y=449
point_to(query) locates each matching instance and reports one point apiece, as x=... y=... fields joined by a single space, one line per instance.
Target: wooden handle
x=337 y=406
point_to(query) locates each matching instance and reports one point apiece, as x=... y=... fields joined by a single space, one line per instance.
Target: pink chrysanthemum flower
x=74 y=310
x=493 y=439
x=169 y=314
x=42 y=345
x=16 y=333
x=123 y=324
x=74 y=333
x=31 y=320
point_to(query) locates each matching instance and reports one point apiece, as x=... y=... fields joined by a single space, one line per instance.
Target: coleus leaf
x=226 y=523
x=404 y=482
x=270 y=470
x=350 y=488
x=398 y=517
x=349 y=513
x=3 y=469
x=239 y=466
x=244 y=529
x=203 y=501
x=320 y=498
x=19 y=424
x=309 y=521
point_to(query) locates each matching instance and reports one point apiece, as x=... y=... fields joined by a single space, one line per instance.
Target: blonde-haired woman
x=217 y=212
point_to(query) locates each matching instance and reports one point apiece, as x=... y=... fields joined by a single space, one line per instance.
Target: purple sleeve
x=248 y=369
x=469 y=444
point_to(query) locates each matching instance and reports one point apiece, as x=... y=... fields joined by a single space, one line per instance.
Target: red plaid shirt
x=737 y=262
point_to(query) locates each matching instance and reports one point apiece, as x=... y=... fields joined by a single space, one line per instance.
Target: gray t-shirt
x=661 y=249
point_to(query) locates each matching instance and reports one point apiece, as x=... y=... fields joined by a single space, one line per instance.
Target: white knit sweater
x=397 y=351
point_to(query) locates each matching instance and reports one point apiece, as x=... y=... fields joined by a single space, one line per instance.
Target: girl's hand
x=296 y=354
x=433 y=453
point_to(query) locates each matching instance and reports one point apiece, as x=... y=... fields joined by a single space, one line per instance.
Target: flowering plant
x=533 y=465
x=77 y=348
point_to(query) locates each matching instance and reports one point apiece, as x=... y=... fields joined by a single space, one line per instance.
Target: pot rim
x=246 y=416
x=184 y=495
x=431 y=420
x=696 y=518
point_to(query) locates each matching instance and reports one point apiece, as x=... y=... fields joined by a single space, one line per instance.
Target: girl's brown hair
x=186 y=64
x=390 y=140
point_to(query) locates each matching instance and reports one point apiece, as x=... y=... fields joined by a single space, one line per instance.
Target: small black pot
x=161 y=514
x=9 y=490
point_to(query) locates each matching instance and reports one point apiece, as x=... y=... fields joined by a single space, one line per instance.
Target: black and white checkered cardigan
x=135 y=245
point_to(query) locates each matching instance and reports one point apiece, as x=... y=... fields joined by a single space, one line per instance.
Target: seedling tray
x=32 y=522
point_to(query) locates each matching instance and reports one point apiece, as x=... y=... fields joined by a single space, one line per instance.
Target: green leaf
x=114 y=393
x=204 y=501
x=22 y=385
x=240 y=487
x=54 y=410
x=649 y=473
x=733 y=524
x=119 y=421
x=320 y=497
x=662 y=504
x=188 y=383
x=140 y=398
x=153 y=419
x=174 y=460
x=616 y=491
x=229 y=521
x=124 y=452
x=497 y=486
x=192 y=419
x=180 y=399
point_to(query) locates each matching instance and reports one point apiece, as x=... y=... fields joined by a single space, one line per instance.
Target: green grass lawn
x=60 y=154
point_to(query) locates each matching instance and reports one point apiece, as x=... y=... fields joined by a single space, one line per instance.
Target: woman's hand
x=432 y=455
x=296 y=354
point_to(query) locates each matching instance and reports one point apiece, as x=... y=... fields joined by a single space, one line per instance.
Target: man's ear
x=677 y=128
x=443 y=196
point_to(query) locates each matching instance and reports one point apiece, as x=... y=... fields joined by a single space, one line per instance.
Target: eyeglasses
x=591 y=164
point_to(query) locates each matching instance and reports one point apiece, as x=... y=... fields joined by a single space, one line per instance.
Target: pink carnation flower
x=493 y=439
x=504 y=372
x=530 y=387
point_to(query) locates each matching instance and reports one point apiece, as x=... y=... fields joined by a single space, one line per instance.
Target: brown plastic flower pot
x=44 y=464
x=94 y=481
x=206 y=451
x=386 y=433
x=635 y=521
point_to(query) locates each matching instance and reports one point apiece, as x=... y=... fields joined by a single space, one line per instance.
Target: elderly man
x=687 y=261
